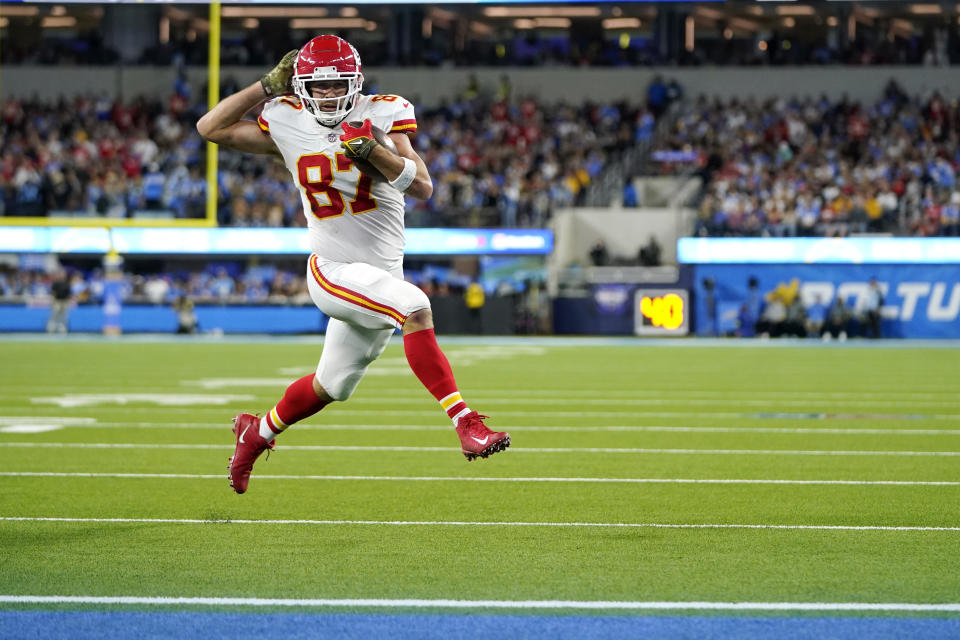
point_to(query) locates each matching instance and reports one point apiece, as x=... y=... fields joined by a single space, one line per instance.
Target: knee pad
x=418 y=299
x=341 y=384
x=346 y=355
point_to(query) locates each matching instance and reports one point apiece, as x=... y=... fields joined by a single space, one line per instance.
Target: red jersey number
x=315 y=174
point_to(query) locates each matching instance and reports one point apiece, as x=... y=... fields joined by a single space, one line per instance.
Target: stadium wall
x=430 y=85
x=920 y=300
x=450 y=316
x=624 y=231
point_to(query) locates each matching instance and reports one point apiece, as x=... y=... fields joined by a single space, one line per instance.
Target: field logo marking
x=34 y=424
x=30 y=428
x=230 y=383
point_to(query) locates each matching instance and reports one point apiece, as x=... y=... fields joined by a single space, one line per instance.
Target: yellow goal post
x=210 y=217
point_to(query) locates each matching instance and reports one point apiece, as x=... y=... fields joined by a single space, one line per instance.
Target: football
x=380 y=136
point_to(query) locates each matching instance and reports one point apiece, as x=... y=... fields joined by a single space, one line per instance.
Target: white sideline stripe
x=694 y=393
x=657 y=402
x=319 y=426
x=290 y=374
x=349 y=410
x=211 y=476
x=173 y=400
x=228 y=383
x=483 y=604
x=761 y=452
x=456 y=523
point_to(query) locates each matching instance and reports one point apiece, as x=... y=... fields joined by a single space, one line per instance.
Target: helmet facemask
x=343 y=104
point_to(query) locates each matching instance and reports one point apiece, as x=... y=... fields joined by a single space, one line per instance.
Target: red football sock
x=431 y=367
x=298 y=402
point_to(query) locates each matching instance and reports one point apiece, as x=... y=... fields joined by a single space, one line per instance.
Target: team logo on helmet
x=328 y=59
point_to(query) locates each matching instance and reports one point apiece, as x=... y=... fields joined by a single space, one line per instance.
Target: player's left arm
x=359 y=142
x=422 y=186
x=390 y=164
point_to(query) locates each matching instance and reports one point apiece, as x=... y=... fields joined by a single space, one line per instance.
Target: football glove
x=277 y=81
x=358 y=142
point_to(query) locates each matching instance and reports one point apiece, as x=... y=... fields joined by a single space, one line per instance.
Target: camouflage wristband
x=277 y=81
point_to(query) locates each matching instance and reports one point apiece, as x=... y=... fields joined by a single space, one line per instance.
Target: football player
x=320 y=124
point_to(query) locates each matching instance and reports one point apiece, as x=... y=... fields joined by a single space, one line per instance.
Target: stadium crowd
x=494 y=161
x=821 y=167
x=216 y=285
x=227 y=282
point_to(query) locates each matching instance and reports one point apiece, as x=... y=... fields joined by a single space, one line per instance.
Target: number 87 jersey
x=351 y=216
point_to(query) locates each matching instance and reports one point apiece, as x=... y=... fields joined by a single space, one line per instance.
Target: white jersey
x=351 y=217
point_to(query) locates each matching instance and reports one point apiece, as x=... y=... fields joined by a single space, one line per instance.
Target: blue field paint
x=80 y=625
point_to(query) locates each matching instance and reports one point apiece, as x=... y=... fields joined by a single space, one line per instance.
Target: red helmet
x=322 y=59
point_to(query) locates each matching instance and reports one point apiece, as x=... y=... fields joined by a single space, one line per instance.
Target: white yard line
x=481 y=604
x=319 y=426
x=789 y=394
x=173 y=400
x=755 y=452
x=457 y=523
x=556 y=395
x=720 y=481
x=678 y=400
x=352 y=409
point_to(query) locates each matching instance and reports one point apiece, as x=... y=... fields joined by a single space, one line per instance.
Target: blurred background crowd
x=812 y=166
x=494 y=161
x=799 y=166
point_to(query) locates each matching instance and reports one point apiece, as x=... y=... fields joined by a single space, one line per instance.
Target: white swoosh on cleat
x=479 y=441
x=243 y=434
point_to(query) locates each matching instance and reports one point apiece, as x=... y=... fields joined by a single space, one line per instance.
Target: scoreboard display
x=661 y=312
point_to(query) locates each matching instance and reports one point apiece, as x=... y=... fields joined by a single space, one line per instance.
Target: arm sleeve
x=404 y=119
x=263 y=124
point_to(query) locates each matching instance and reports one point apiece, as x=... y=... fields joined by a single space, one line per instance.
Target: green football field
x=639 y=473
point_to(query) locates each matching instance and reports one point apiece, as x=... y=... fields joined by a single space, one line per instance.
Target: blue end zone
x=79 y=625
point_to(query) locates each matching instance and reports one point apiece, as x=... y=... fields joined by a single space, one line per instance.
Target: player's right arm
x=224 y=125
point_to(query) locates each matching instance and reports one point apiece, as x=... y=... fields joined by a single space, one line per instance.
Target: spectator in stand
x=507 y=163
x=61 y=297
x=950 y=216
x=823 y=167
x=872 y=307
x=649 y=254
x=630 y=198
x=599 y=256
x=796 y=319
x=773 y=318
x=816 y=316
x=186 y=316
x=839 y=319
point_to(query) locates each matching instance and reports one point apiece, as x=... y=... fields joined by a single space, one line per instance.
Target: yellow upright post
x=213 y=97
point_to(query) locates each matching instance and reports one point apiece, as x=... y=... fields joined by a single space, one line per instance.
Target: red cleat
x=250 y=445
x=477 y=440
